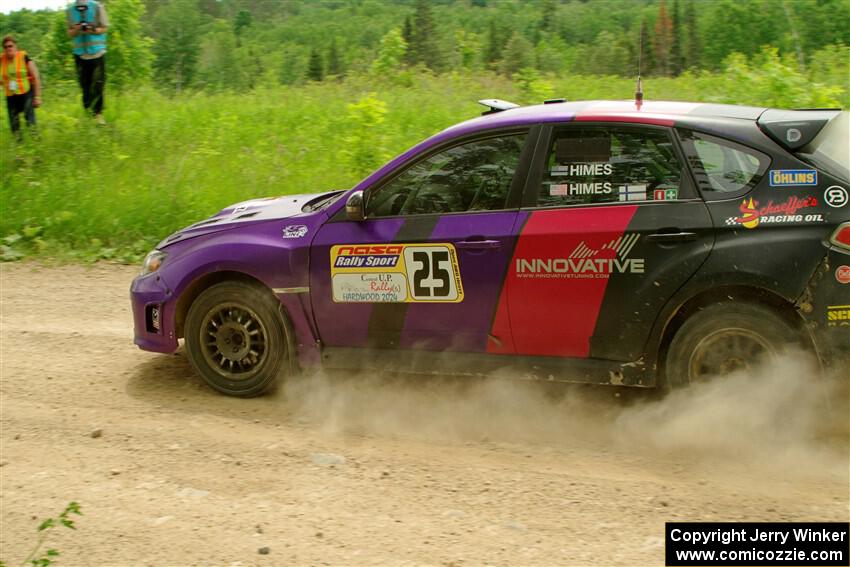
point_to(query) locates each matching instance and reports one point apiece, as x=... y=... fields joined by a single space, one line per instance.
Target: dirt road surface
x=354 y=469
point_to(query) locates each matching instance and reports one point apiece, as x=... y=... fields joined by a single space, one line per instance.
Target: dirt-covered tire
x=236 y=338
x=725 y=337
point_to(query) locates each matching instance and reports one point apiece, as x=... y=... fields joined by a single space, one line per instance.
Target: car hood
x=255 y=210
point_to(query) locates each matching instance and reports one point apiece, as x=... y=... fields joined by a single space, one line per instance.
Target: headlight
x=152 y=262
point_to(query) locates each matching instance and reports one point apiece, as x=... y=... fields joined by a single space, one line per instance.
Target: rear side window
x=587 y=165
x=723 y=169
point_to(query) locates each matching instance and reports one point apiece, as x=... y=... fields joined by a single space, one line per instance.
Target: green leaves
x=36 y=559
x=46 y=524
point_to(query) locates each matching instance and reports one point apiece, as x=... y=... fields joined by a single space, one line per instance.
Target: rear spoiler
x=794 y=129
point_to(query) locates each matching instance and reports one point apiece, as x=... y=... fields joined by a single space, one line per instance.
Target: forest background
x=210 y=102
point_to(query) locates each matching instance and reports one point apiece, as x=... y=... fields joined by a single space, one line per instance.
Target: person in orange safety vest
x=21 y=84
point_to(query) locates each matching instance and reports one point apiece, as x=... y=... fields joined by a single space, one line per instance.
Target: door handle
x=480 y=244
x=664 y=237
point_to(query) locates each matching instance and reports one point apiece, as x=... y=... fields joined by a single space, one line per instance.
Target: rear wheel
x=236 y=339
x=723 y=338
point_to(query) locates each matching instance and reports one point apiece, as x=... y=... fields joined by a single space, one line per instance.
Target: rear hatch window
x=830 y=150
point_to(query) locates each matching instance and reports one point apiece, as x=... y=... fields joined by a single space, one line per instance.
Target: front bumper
x=153 y=306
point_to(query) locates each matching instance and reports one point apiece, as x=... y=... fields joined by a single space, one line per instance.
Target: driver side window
x=475 y=176
x=609 y=164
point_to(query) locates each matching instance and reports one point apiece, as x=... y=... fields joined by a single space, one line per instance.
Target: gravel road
x=357 y=469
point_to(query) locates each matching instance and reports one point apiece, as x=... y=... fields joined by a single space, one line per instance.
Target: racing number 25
x=430 y=278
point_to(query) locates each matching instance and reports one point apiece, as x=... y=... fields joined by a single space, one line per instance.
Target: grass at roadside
x=160 y=163
x=89 y=192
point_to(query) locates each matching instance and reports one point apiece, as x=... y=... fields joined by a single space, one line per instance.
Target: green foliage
x=221 y=66
x=608 y=55
x=831 y=66
x=178 y=25
x=424 y=47
x=693 y=49
x=292 y=64
x=39 y=558
x=130 y=53
x=315 y=69
x=533 y=86
x=553 y=55
x=445 y=36
x=28 y=28
x=468 y=46
x=407 y=36
x=166 y=160
x=364 y=142
x=334 y=62
x=495 y=44
x=771 y=80
x=676 y=56
x=662 y=41
x=391 y=54
x=57 y=65
x=243 y=20
x=518 y=54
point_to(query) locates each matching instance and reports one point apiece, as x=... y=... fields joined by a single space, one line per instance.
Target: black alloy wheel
x=236 y=339
x=724 y=338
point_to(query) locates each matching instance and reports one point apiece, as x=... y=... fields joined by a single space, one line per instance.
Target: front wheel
x=723 y=338
x=236 y=339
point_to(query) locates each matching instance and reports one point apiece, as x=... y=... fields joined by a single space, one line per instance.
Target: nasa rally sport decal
x=396 y=273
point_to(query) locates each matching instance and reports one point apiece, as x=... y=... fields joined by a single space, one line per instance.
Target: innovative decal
x=793 y=177
x=838 y=316
x=557 y=279
x=842 y=274
x=294 y=231
x=752 y=215
x=586 y=262
x=835 y=196
x=395 y=273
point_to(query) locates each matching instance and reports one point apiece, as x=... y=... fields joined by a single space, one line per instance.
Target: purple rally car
x=612 y=242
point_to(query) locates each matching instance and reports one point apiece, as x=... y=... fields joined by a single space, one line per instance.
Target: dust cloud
x=780 y=414
x=783 y=414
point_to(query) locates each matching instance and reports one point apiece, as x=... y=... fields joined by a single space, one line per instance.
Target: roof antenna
x=639 y=89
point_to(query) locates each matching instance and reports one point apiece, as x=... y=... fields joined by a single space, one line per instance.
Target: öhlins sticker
x=396 y=273
x=793 y=177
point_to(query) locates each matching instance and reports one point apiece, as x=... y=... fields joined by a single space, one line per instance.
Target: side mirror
x=354 y=207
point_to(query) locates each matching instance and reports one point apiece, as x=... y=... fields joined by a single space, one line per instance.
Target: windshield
x=830 y=150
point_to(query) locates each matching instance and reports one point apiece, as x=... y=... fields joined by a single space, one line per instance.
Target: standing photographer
x=87 y=24
x=21 y=84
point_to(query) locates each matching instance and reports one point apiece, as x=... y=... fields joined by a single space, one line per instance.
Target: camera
x=84 y=25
